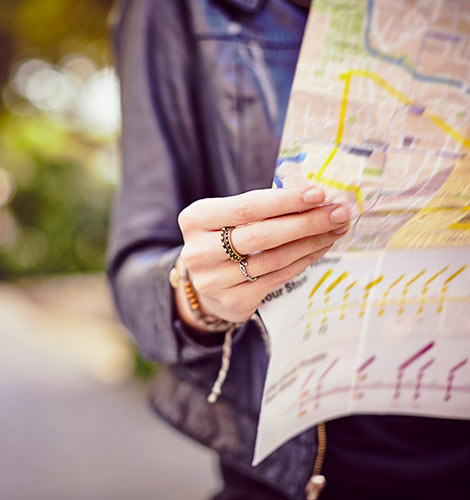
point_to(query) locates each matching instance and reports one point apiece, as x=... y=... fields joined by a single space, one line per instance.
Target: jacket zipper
x=317 y=482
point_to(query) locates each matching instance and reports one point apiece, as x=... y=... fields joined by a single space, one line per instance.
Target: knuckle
x=185 y=218
x=230 y=302
x=319 y=221
x=309 y=222
x=184 y=255
x=226 y=300
x=201 y=284
x=246 y=211
x=189 y=256
x=259 y=240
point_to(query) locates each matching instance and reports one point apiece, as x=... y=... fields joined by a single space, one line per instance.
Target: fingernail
x=313 y=195
x=341 y=230
x=339 y=215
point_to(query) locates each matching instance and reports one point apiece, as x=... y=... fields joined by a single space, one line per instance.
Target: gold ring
x=226 y=239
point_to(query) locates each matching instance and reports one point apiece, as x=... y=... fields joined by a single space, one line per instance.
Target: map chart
x=379 y=117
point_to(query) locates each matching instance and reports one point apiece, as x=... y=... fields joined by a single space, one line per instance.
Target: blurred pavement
x=73 y=424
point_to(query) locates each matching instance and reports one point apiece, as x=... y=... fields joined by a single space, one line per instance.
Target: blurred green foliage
x=56 y=172
x=50 y=29
x=143 y=369
x=58 y=134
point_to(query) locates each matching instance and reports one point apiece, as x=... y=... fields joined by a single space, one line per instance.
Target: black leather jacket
x=205 y=86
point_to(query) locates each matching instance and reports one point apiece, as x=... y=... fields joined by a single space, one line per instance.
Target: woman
x=205 y=86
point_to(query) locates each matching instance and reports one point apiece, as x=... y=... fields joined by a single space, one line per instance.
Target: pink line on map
x=320 y=380
x=407 y=363
x=382 y=386
x=416 y=356
x=366 y=364
x=333 y=363
x=420 y=378
x=451 y=377
x=309 y=376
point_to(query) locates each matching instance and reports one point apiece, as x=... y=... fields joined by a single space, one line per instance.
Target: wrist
x=188 y=304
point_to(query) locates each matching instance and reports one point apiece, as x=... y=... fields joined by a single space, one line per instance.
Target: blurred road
x=73 y=425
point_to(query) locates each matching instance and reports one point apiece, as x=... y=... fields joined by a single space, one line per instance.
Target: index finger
x=252 y=206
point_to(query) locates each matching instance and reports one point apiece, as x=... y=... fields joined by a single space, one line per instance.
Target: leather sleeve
x=162 y=172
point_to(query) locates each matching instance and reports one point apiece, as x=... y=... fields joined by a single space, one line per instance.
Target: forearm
x=192 y=313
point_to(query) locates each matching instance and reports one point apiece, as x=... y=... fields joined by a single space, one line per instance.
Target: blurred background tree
x=73 y=416
x=59 y=128
x=59 y=121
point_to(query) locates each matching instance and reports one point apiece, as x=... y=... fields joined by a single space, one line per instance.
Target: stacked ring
x=226 y=238
x=243 y=265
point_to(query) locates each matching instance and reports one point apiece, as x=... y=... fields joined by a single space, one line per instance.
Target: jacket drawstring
x=227 y=353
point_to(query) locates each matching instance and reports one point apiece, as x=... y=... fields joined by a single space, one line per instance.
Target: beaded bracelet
x=209 y=323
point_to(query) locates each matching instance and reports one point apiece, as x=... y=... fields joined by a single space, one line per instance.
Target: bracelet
x=210 y=323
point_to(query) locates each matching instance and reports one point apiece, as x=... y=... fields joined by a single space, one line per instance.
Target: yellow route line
x=412 y=280
x=463 y=226
x=345 y=298
x=438 y=121
x=344 y=104
x=375 y=282
x=320 y=283
x=366 y=294
x=405 y=291
x=432 y=278
x=426 y=288
x=424 y=210
x=381 y=83
x=445 y=288
x=390 y=302
x=448 y=280
x=455 y=134
x=385 y=295
x=325 y=164
x=336 y=282
x=396 y=282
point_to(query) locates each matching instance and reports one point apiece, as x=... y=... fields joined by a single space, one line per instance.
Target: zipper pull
x=314 y=487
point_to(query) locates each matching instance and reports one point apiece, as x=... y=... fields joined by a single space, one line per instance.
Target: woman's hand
x=282 y=231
